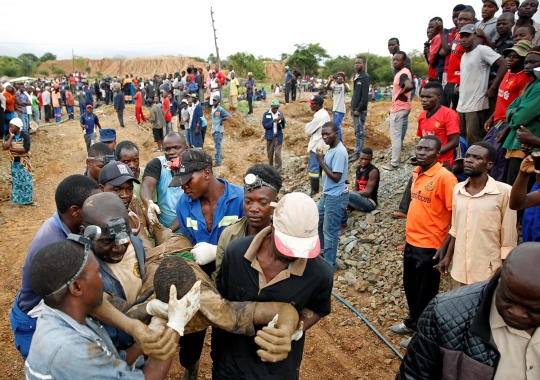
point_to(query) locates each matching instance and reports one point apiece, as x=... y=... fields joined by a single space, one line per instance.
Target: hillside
x=148 y=66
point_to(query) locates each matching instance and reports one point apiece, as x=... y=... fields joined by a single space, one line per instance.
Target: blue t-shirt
x=288 y=77
x=229 y=208
x=89 y=120
x=51 y=231
x=337 y=160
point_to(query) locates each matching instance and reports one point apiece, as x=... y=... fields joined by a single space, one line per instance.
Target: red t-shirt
x=443 y=123
x=221 y=77
x=449 y=38
x=454 y=61
x=40 y=99
x=509 y=89
x=166 y=107
x=434 y=48
x=138 y=100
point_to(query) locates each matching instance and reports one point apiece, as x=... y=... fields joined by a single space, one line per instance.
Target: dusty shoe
x=191 y=373
x=400 y=328
x=405 y=343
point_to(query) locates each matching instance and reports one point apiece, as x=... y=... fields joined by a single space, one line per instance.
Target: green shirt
x=524 y=111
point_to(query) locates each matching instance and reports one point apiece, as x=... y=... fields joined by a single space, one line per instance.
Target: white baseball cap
x=17 y=122
x=296 y=222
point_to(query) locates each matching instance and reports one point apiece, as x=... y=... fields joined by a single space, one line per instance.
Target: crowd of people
x=138 y=260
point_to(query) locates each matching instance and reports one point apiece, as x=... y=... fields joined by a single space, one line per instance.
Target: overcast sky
x=109 y=28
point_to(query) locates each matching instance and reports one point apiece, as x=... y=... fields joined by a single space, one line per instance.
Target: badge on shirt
x=218 y=113
x=437 y=124
x=429 y=186
x=268 y=116
x=136 y=270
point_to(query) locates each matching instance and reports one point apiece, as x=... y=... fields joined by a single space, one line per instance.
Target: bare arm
x=519 y=198
x=372 y=181
x=453 y=142
x=147 y=188
x=501 y=71
x=7 y=144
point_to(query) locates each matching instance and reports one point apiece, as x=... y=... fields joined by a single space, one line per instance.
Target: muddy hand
x=158 y=344
x=153 y=211
x=275 y=343
x=182 y=310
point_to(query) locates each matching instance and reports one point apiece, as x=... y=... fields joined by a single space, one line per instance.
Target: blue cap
x=107 y=134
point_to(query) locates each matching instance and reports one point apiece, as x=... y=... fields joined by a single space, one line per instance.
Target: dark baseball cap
x=470 y=29
x=115 y=174
x=316 y=99
x=191 y=161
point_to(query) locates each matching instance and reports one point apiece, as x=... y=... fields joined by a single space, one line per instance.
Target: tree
x=47 y=57
x=9 y=66
x=378 y=68
x=339 y=64
x=88 y=69
x=27 y=63
x=418 y=63
x=199 y=59
x=307 y=57
x=44 y=72
x=284 y=56
x=99 y=74
x=212 y=58
x=245 y=62
x=59 y=71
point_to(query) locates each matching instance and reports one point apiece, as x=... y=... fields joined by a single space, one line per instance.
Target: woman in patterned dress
x=17 y=143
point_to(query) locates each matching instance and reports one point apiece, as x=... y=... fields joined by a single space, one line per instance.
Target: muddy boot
x=314 y=186
x=191 y=373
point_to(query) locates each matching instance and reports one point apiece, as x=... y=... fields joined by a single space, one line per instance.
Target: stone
x=361 y=285
x=349 y=278
x=350 y=246
x=352 y=263
x=354 y=232
x=340 y=264
x=341 y=279
x=347 y=240
x=373 y=276
x=370 y=219
x=346 y=322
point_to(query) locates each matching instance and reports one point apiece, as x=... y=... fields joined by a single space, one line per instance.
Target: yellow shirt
x=127 y=272
x=233 y=87
x=520 y=352
x=485 y=231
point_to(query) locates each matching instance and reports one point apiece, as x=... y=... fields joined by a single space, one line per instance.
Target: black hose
x=369 y=325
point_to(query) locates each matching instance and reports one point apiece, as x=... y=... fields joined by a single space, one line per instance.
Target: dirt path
x=339 y=347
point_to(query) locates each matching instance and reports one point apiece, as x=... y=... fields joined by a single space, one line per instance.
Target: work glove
x=182 y=310
x=158 y=308
x=204 y=253
x=153 y=212
x=156 y=323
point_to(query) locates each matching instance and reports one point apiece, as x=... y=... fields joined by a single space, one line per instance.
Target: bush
x=99 y=73
x=59 y=71
x=44 y=72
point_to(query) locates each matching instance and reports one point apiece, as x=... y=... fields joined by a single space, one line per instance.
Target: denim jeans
x=167 y=127
x=357 y=202
x=218 y=137
x=188 y=137
x=24 y=118
x=359 y=132
x=81 y=109
x=338 y=119
x=331 y=210
x=35 y=115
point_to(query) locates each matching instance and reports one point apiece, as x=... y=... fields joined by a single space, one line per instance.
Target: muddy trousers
x=191 y=346
x=273 y=149
x=420 y=281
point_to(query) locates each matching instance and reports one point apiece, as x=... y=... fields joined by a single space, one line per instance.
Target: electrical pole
x=72 y=61
x=215 y=38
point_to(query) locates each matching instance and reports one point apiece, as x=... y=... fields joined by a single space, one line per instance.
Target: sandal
x=398 y=215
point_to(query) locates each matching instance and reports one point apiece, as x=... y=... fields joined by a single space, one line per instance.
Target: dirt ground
x=339 y=347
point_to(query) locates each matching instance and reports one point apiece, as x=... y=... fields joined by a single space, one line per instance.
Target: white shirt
x=46 y=97
x=314 y=129
x=474 y=73
x=275 y=116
